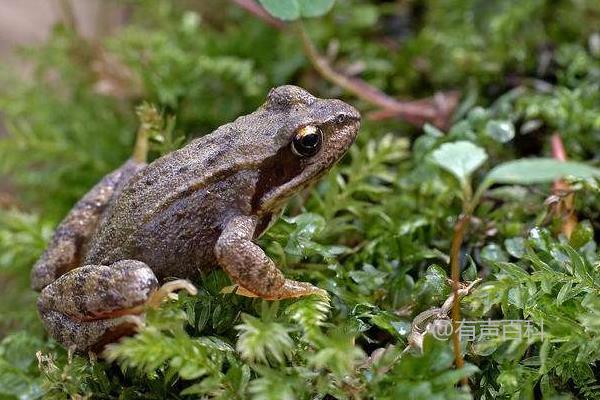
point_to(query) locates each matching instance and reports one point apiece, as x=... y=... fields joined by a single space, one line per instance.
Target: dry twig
x=436 y=110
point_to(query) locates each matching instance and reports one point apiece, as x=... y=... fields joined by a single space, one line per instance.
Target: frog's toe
x=293 y=289
x=168 y=290
x=289 y=290
x=239 y=290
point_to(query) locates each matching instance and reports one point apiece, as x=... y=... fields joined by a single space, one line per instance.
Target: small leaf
x=289 y=10
x=502 y=131
x=470 y=273
x=493 y=253
x=261 y=341
x=564 y=293
x=315 y=8
x=515 y=246
x=581 y=267
x=538 y=170
x=391 y=323
x=459 y=158
x=432 y=131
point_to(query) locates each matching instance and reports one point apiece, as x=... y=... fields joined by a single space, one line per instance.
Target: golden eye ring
x=307 y=141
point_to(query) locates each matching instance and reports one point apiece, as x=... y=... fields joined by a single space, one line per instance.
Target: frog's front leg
x=66 y=248
x=90 y=306
x=250 y=268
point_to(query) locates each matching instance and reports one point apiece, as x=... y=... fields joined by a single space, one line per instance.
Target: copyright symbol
x=441 y=329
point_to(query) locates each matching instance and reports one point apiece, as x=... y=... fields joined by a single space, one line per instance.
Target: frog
x=147 y=230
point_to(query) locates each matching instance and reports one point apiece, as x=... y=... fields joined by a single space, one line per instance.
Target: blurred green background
x=503 y=75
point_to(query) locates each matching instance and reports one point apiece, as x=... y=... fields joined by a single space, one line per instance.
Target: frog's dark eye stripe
x=307 y=141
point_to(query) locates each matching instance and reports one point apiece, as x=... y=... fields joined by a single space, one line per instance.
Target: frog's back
x=170 y=214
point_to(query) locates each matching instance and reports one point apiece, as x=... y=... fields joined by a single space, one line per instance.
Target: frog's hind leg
x=93 y=305
x=89 y=304
x=81 y=336
x=67 y=247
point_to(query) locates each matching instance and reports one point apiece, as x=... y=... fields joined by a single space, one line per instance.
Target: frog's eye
x=307 y=141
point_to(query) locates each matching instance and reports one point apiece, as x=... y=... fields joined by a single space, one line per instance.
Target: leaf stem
x=457 y=240
x=565 y=208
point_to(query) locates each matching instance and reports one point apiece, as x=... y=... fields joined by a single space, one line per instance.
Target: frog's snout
x=349 y=111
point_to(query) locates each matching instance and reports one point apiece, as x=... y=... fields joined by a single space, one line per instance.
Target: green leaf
x=502 y=131
x=515 y=246
x=307 y=227
x=261 y=341
x=493 y=253
x=538 y=170
x=564 y=293
x=310 y=313
x=432 y=131
x=460 y=158
x=315 y=8
x=289 y=10
x=470 y=272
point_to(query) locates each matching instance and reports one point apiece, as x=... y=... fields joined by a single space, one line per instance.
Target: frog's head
x=303 y=137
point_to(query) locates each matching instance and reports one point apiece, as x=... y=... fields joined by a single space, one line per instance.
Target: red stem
x=457 y=240
x=558 y=149
x=436 y=110
x=565 y=209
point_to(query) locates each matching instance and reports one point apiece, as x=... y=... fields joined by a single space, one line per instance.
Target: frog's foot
x=289 y=290
x=94 y=305
x=292 y=289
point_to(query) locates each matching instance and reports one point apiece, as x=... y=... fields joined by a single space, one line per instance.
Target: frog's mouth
x=286 y=174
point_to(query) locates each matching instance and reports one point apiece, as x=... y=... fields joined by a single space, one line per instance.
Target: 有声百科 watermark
x=479 y=330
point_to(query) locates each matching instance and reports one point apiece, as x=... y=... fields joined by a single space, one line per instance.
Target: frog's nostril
x=349 y=111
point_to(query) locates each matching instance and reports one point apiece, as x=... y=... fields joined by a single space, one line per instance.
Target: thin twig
x=355 y=86
x=436 y=110
x=457 y=240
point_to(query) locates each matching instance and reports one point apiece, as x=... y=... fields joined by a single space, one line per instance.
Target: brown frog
x=185 y=213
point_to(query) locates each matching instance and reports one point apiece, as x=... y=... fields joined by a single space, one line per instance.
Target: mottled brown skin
x=183 y=214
